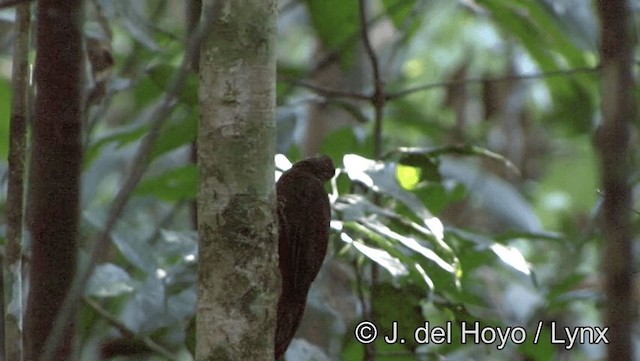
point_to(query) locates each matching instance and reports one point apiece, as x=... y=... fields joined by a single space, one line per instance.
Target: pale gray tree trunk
x=237 y=222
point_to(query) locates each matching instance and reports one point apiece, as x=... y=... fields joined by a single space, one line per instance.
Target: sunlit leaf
x=391 y=264
x=424 y=157
x=407 y=176
x=512 y=257
x=410 y=243
x=381 y=178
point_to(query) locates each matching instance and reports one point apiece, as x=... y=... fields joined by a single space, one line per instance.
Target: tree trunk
x=54 y=172
x=612 y=140
x=12 y=263
x=238 y=275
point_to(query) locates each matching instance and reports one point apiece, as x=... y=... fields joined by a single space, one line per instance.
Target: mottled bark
x=612 y=141
x=238 y=277
x=54 y=171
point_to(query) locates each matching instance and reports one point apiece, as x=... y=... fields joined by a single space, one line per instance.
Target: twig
x=378 y=100
x=446 y=84
x=126 y=332
x=328 y=92
x=332 y=93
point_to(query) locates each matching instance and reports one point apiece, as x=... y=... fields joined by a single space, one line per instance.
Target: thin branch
x=446 y=84
x=373 y=58
x=126 y=332
x=378 y=101
x=328 y=92
x=333 y=93
x=138 y=167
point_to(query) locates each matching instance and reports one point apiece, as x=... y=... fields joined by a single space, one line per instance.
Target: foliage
x=481 y=207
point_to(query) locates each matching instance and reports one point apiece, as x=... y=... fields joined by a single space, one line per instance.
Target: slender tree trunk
x=612 y=140
x=238 y=275
x=13 y=345
x=54 y=172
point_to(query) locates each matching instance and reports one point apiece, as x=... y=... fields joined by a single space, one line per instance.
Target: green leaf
x=405 y=15
x=427 y=158
x=494 y=195
x=336 y=22
x=5 y=109
x=408 y=176
x=409 y=242
x=552 y=49
x=121 y=136
x=339 y=143
x=176 y=134
x=177 y=184
x=162 y=75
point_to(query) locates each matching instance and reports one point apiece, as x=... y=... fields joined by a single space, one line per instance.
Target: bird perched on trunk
x=304 y=214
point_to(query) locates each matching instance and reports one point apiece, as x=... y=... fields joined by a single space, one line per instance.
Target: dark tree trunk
x=54 y=172
x=612 y=140
x=12 y=263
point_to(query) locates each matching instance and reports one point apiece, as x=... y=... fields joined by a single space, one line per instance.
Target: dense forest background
x=468 y=189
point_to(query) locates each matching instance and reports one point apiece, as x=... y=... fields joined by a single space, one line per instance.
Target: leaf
x=550 y=47
x=336 y=22
x=182 y=306
x=405 y=15
x=120 y=137
x=136 y=252
x=354 y=207
x=146 y=311
x=408 y=177
x=130 y=14
x=109 y=280
x=410 y=243
x=388 y=297
x=380 y=177
x=176 y=134
x=493 y=195
x=510 y=256
x=162 y=75
x=427 y=157
x=391 y=264
x=174 y=185
x=340 y=142
x=5 y=108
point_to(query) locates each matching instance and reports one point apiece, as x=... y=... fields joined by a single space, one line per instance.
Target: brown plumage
x=304 y=214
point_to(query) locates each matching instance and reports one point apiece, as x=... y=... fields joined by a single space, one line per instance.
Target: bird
x=304 y=214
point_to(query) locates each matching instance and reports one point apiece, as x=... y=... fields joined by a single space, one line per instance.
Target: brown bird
x=304 y=214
